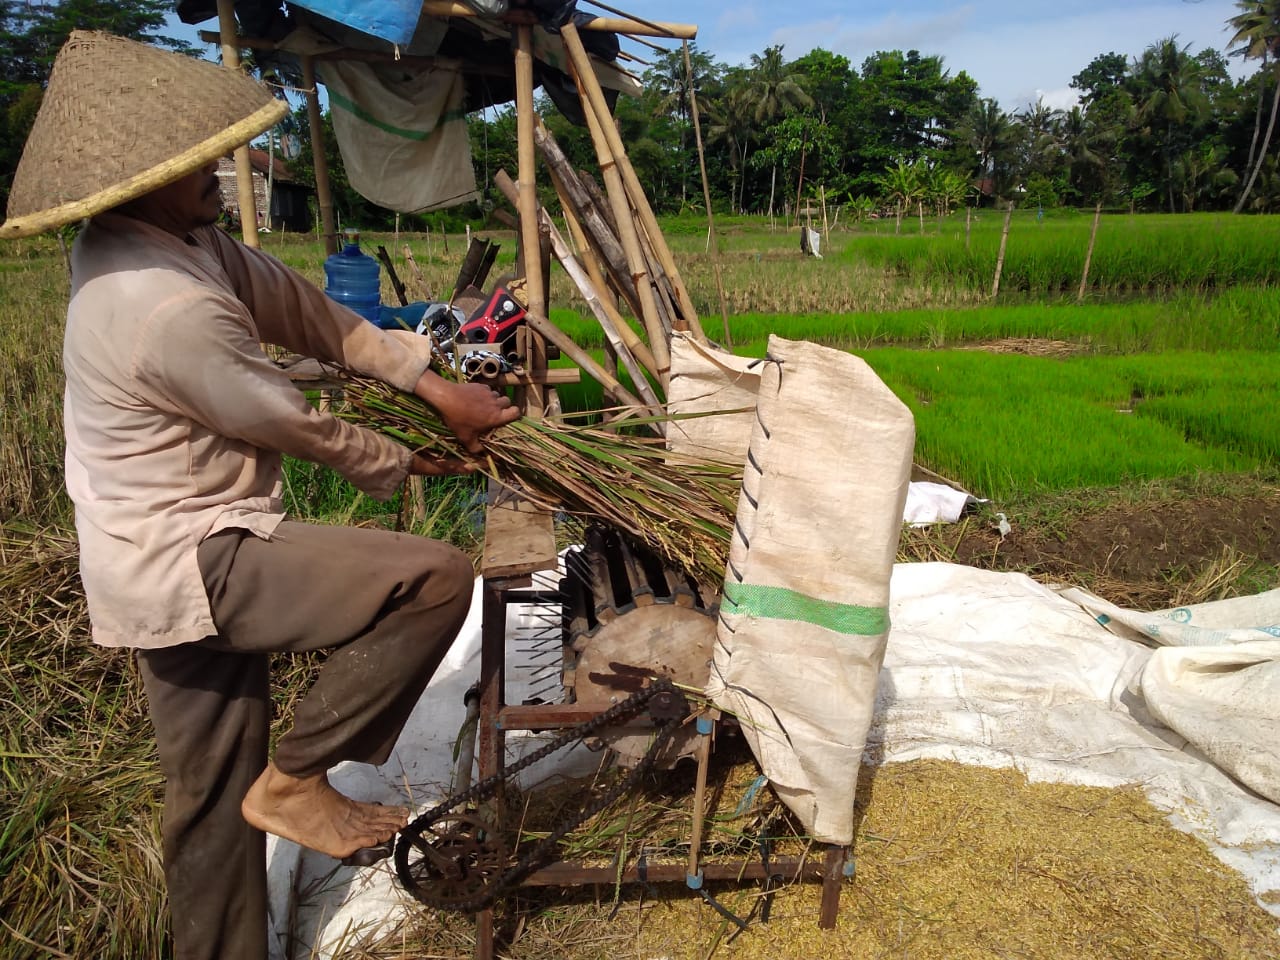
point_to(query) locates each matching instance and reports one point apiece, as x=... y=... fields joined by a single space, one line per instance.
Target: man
x=175 y=425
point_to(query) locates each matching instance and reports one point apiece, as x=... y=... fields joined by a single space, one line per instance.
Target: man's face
x=181 y=206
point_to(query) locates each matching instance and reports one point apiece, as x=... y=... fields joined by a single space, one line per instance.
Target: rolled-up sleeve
x=293 y=313
x=200 y=358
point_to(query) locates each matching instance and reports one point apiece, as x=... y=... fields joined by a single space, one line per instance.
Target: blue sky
x=1017 y=50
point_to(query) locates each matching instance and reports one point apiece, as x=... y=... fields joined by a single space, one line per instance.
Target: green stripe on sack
x=778 y=603
x=338 y=100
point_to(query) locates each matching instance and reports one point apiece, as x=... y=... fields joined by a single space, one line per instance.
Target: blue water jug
x=354 y=279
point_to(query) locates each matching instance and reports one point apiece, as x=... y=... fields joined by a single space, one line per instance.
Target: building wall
x=231 y=194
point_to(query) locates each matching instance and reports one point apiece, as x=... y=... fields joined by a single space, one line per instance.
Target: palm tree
x=776 y=92
x=1086 y=147
x=674 y=87
x=1042 y=124
x=1169 y=99
x=1257 y=37
x=994 y=138
x=731 y=121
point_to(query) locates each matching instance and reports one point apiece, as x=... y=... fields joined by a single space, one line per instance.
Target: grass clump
x=80 y=872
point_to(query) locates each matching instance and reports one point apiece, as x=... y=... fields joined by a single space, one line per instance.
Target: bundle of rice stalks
x=681 y=507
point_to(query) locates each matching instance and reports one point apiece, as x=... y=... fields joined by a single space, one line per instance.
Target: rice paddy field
x=1127 y=433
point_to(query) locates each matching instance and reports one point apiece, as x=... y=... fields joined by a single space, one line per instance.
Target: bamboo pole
x=640 y=28
x=587 y=80
x=703 y=753
x=826 y=225
x=527 y=206
x=594 y=301
x=599 y=199
x=1004 y=241
x=570 y=349
x=244 y=172
x=1088 y=255
x=968 y=213
x=706 y=197
x=324 y=194
x=638 y=348
x=622 y=216
x=668 y=312
x=592 y=216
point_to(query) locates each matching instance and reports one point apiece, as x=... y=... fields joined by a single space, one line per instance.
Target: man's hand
x=433 y=465
x=468 y=409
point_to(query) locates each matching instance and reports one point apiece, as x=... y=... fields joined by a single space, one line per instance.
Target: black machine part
x=451 y=859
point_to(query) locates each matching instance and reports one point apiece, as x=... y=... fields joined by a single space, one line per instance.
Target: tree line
x=1166 y=130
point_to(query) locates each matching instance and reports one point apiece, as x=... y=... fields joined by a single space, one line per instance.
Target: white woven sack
x=707 y=380
x=804 y=613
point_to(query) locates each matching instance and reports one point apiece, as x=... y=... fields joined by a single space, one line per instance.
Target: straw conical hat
x=120 y=119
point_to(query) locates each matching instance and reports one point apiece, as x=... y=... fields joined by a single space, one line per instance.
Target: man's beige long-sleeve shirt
x=176 y=419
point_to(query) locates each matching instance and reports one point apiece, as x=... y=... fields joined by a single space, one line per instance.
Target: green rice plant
x=1004 y=423
x=1234 y=418
x=1132 y=253
x=1240 y=318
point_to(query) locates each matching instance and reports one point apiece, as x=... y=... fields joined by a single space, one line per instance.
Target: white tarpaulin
x=984 y=668
x=998 y=670
x=1215 y=679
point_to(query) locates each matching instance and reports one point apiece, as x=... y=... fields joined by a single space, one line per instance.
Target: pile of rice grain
x=954 y=862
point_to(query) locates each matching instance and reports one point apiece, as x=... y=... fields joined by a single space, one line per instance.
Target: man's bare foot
x=310 y=812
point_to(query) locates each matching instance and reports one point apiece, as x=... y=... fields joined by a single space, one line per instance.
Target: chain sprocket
x=460 y=858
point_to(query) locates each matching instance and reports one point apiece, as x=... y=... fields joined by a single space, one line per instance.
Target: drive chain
x=542 y=852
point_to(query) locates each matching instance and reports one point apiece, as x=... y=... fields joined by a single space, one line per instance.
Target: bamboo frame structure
x=594 y=103
x=706 y=197
x=625 y=225
x=527 y=206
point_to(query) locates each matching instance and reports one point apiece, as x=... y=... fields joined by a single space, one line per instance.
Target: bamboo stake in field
x=1088 y=254
x=1004 y=240
x=713 y=240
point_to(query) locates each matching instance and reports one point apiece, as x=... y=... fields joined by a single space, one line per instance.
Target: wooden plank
x=565 y=874
x=519 y=538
